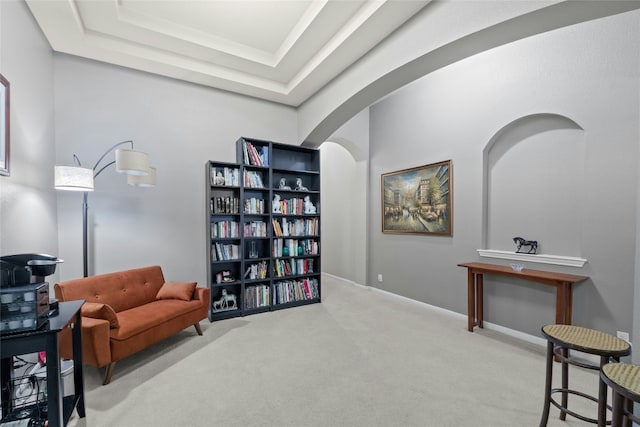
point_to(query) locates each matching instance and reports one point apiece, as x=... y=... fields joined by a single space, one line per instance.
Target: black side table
x=46 y=339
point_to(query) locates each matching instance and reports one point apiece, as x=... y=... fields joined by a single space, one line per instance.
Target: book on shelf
x=256 y=296
x=225 y=205
x=296 y=227
x=293 y=206
x=255 y=229
x=253 y=179
x=294 y=247
x=257 y=271
x=304 y=266
x=295 y=290
x=277 y=230
x=255 y=156
x=224 y=230
x=225 y=252
x=286 y=267
x=225 y=176
x=292 y=267
x=309 y=247
x=254 y=206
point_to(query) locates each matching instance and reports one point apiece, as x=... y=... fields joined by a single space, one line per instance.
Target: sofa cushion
x=177 y=290
x=153 y=316
x=98 y=310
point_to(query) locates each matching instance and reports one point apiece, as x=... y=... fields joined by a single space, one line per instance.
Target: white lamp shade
x=143 y=181
x=132 y=162
x=73 y=178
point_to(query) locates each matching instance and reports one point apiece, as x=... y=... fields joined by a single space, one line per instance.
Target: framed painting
x=418 y=200
x=4 y=127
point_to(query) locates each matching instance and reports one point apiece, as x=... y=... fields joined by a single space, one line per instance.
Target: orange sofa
x=125 y=312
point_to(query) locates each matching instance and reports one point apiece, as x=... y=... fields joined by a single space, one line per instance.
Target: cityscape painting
x=418 y=200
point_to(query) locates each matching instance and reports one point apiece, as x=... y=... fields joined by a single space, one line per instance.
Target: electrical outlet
x=623 y=336
x=380 y=278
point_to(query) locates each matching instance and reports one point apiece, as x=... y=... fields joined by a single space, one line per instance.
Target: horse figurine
x=532 y=244
x=226 y=302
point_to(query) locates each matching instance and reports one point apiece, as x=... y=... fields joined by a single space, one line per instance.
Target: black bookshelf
x=273 y=262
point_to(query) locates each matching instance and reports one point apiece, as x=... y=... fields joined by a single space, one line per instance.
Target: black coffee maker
x=24 y=293
x=23 y=269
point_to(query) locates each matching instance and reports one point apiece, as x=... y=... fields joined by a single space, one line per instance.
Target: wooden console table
x=561 y=281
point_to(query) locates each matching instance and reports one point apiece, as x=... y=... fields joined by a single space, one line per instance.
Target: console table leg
x=471 y=300
x=560 y=305
x=480 y=299
x=569 y=299
x=563 y=303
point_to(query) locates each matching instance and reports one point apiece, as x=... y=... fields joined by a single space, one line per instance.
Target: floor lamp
x=135 y=164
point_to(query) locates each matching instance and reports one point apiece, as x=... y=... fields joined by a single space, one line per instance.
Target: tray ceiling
x=282 y=50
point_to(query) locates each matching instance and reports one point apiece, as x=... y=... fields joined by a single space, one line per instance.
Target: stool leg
x=628 y=405
x=602 y=395
x=565 y=383
x=548 y=385
x=618 y=409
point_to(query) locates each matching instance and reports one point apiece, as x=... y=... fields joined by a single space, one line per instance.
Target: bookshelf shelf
x=241 y=196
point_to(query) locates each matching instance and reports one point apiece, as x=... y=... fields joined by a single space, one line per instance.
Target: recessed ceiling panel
x=280 y=50
x=262 y=25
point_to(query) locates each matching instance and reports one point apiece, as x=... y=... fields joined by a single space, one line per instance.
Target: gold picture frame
x=418 y=200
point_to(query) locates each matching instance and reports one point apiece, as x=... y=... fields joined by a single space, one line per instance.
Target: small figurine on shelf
x=225 y=276
x=219 y=179
x=226 y=302
x=276 y=208
x=520 y=242
x=299 y=186
x=283 y=184
x=308 y=206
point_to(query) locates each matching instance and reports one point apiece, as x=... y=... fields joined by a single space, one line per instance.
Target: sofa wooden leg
x=197 y=325
x=107 y=375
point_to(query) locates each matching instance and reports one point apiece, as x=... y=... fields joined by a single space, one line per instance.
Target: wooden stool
x=561 y=339
x=624 y=380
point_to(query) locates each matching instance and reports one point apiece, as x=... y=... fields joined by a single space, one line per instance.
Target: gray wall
x=181 y=126
x=586 y=73
x=28 y=219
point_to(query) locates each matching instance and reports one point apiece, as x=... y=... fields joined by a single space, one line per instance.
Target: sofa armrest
x=202 y=294
x=96 y=345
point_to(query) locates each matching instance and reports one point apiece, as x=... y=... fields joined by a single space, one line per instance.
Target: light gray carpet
x=361 y=358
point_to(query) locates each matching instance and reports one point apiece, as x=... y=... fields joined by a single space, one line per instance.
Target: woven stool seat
x=560 y=340
x=586 y=340
x=624 y=380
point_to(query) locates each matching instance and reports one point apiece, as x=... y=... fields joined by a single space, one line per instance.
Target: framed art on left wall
x=4 y=127
x=418 y=200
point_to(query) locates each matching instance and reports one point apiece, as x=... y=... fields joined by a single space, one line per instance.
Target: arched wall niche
x=344 y=209
x=355 y=151
x=533 y=185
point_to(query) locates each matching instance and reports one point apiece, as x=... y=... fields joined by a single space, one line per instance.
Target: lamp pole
x=85 y=243
x=85 y=206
